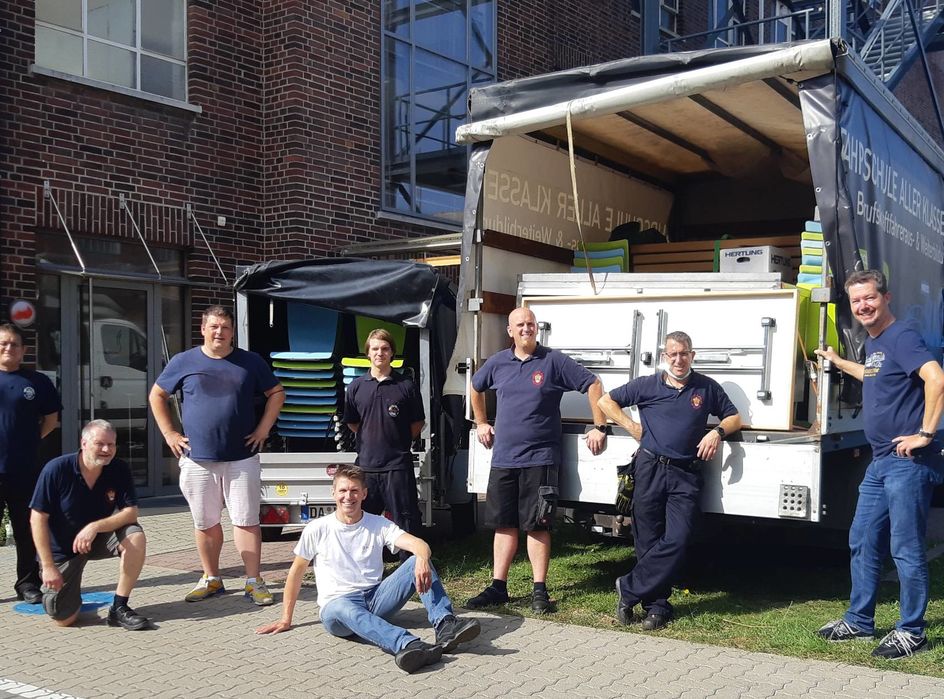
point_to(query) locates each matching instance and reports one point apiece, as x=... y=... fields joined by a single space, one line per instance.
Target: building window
x=137 y=44
x=434 y=51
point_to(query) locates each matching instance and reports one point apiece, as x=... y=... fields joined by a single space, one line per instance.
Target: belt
x=686 y=464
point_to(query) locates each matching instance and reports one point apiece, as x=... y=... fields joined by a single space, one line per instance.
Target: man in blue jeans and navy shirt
x=902 y=400
x=347 y=548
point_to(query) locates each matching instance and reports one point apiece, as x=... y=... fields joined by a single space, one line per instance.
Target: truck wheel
x=463 y=519
x=271 y=533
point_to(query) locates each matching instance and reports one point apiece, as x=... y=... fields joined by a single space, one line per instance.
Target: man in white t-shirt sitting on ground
x=347 y=548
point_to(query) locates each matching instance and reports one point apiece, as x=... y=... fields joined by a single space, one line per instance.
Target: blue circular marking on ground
x=90 y=602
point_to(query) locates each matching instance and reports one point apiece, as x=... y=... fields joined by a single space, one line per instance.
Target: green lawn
x=753 y=595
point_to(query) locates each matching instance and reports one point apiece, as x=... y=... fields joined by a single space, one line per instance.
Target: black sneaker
x=655 y=621
x=489 y=597
x=540 y=602
x=451 y=631
x=840 y=630
x=30 y=594
x=127 y=618
x=417 y=654
x=900 y=644
x=624 y=610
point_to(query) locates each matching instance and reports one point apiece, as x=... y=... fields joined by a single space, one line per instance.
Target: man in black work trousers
x=674 y=405
x=384 y=410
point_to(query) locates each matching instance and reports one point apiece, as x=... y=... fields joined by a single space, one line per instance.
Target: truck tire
x=463 y=519
x=271 y=533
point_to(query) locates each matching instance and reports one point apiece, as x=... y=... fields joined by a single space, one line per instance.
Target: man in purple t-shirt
x=218 y=451
x=902 y=401
x=529 y=381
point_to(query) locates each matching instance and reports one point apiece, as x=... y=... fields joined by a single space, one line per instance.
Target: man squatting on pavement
x=218 y=452
x=674 y=405
x=347 y=548
x=85 y=508
x=29 y=410
x=902 y=401
x=529 y=380
x=384 y=410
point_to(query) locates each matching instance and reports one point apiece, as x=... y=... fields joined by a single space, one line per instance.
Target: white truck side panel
x=744 y=478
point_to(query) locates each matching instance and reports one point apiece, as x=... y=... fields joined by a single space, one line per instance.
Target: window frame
x=137 y=50
x=389 y=39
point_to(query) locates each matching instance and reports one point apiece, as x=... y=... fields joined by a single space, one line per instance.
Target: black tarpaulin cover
x=391 y=290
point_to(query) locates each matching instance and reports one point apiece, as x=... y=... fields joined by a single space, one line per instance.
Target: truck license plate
x=309 y=512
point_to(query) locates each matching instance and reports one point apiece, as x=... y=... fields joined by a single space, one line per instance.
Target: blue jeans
x=364 y=613
x=892 y=517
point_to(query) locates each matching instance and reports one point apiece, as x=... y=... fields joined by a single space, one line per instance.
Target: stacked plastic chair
x=309 y=373
x=812 y=260
x=610 y=256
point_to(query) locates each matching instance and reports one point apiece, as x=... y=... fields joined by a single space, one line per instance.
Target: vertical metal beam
x=649 y=27
x=836 y=25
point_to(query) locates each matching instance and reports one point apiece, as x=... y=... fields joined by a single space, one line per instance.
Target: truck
x=289 y=308
x=608 y=198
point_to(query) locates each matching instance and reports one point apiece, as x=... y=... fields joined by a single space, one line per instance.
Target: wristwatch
x=720 y=430
x=926 y=435
x=604 y=428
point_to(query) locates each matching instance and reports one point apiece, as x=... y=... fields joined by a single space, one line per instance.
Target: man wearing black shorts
x=85 y=508
x=674 y=405
x=529 y=381
x=384 y=410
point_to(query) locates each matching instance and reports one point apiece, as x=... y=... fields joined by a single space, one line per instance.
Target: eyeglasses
x=677 y=355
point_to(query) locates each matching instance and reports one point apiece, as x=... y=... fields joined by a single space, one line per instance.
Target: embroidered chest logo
x=537 y=378
x=393 y=410
x=697 y=400
x=29 y=393
x=110 y=495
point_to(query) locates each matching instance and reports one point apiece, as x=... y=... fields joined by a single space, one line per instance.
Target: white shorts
x=208 y=485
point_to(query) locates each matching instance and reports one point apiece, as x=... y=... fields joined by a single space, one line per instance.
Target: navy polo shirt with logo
x=26 y=396
x=892 y=390
x=384 y=410
x=63 y=494
x=528 y=419
x=673 y=420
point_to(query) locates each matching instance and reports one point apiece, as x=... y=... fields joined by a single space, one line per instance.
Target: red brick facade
x=286 y=146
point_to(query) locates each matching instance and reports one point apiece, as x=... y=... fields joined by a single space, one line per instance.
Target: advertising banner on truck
x=879 y=199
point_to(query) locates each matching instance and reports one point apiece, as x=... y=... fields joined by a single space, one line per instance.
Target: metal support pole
x=122 y=203
x=47 y=194
x=206 y=242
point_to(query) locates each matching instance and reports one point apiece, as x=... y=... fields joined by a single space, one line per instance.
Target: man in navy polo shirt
x=85 y=508
x=218 y=452
x=674 y=405
x=902 y=402
x=529 y=381
x=29 y=410
x=384 y=410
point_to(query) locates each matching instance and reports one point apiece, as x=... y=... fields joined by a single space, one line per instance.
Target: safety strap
x=573 y=182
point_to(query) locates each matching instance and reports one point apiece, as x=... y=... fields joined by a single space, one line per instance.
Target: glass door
x=104 y=357
x=113 y=367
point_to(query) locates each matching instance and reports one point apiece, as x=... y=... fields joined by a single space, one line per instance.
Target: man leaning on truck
x=674 y=405
x=902 y=401
x=218 y=452
x=529 y=380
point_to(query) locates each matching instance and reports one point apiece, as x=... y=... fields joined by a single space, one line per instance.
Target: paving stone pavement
x=209 y=649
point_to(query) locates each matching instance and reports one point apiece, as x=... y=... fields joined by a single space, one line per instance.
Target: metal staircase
x=885 y=33
x=892 y=44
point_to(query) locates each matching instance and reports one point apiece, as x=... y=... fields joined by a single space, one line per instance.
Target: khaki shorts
x=66 y=601
x=208 y=486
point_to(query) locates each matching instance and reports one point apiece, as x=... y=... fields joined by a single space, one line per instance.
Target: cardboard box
x=763 y=258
